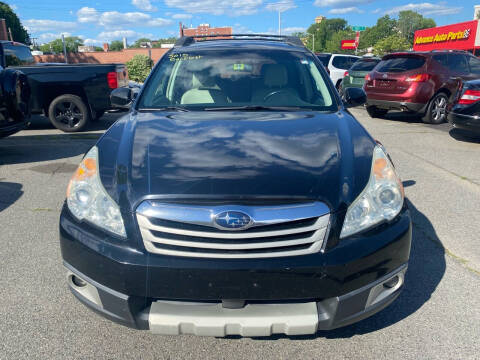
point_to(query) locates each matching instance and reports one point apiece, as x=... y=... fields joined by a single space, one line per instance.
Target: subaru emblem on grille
x=232 y=220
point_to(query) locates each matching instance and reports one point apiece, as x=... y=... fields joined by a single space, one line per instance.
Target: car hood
x=236 y=157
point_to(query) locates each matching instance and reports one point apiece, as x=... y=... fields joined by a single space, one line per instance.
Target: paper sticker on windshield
x=242 y=67
x=183 y=56
x=304 y=62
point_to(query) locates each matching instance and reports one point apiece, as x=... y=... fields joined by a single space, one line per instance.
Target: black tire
x=69 y=113
x=437 y=110
x=375 y=112
x=98 y=115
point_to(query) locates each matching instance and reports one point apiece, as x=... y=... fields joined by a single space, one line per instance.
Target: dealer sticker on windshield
x=183 y=56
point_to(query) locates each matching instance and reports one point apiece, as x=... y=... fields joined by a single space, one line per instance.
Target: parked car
x=237 y=197
x=464 y=109
x=420 y=82
x=336 y=65
x=14 y=100
x=69 y=94
x=355 y=76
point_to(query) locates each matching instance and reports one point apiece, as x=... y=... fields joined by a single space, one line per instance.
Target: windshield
x=215 y=79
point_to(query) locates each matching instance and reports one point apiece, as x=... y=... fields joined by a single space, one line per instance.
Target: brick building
x=205 y=29
x=100 y=57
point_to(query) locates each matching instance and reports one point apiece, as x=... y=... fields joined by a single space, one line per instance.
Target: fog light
x=78 y=282
x=391 y=283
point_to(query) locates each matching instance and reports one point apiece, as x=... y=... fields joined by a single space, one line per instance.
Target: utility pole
x=279 y=22
x=64 y=49
x=10 y=33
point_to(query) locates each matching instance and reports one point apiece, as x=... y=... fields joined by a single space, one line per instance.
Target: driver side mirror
x=354 y=97
x=122 y=98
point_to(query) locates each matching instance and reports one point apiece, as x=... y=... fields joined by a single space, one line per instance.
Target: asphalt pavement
x=436 y=317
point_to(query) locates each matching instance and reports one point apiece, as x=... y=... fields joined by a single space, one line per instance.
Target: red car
x=420 y=82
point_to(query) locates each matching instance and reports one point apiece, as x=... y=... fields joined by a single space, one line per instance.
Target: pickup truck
x=69 y=94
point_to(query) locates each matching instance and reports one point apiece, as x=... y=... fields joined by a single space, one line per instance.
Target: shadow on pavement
x=34 y=148
x=464 y=136
x=40 y=122
x=403 y=116
x=9 y=193
x=425 y=271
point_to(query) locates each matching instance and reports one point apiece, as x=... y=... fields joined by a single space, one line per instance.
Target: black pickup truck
x=69 y=94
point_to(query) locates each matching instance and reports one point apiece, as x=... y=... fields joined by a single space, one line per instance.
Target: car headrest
x=275 y=75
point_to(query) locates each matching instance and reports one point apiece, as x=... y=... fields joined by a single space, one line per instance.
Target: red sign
x=451 y=37
x=349 y=44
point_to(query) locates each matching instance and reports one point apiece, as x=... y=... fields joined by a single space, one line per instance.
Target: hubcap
x=68 y=113
x=439 y=109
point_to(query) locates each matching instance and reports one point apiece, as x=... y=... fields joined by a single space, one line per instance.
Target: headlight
x=88 y=200
x=382 y=199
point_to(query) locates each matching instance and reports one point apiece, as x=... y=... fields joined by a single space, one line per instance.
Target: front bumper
x=465 y=122
x=7 y=129
x=128 y=280
x=253 y=319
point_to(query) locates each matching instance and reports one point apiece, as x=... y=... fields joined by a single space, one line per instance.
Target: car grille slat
x=281 y=231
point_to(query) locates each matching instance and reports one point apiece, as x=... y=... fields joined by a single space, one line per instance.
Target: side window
x=16 y=55
x=458 y=63
x=442 y=59
x=474 y=65
x=352 y=60
x=341 y=62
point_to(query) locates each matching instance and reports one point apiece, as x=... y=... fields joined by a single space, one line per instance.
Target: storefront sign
x=457 y=36
x=349 y=44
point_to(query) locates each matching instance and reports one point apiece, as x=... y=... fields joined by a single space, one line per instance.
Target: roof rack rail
x=188 y=40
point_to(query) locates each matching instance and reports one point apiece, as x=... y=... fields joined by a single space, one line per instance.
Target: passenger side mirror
x=354 y=97
x=122 y=98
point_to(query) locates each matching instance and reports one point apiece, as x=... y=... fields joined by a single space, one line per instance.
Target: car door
x=458 y=65
x=338 y=65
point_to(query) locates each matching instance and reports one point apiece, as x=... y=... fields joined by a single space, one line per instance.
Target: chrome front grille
x=190 y=230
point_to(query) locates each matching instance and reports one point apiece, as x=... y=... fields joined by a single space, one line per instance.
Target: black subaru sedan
x=238 y=196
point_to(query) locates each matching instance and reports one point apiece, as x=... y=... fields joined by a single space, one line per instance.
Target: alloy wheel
x=68 y=113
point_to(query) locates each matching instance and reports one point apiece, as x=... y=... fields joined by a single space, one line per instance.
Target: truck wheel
x=69 y=113
x=437 y=110
x=375 y=112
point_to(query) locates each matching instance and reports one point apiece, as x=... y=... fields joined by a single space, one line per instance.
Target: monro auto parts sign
x=457 y=36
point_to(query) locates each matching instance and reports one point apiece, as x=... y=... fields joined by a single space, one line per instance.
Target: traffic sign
x=359 y=28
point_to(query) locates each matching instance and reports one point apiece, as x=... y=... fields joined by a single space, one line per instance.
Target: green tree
x=116 y=45
x=71 y=43
x=137 y=44
x=410 y=21
x=324 y=32
x=13 y=22
x=334 y=44
x=139 y=67
x=390 y=44
x=98 y=48
x=384 y=27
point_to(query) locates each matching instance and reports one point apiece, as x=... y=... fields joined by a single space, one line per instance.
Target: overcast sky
x=98 y=21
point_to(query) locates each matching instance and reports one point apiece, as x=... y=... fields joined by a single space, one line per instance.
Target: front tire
x=375 y=112
x=69 y=113
x=437 y=110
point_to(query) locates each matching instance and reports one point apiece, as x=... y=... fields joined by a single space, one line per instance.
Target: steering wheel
x=275 y=92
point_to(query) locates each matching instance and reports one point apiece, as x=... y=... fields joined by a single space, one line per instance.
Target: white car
x=337 y=64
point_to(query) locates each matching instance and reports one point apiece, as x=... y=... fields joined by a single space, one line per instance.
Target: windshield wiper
x=165 y=108
x=256 y=108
